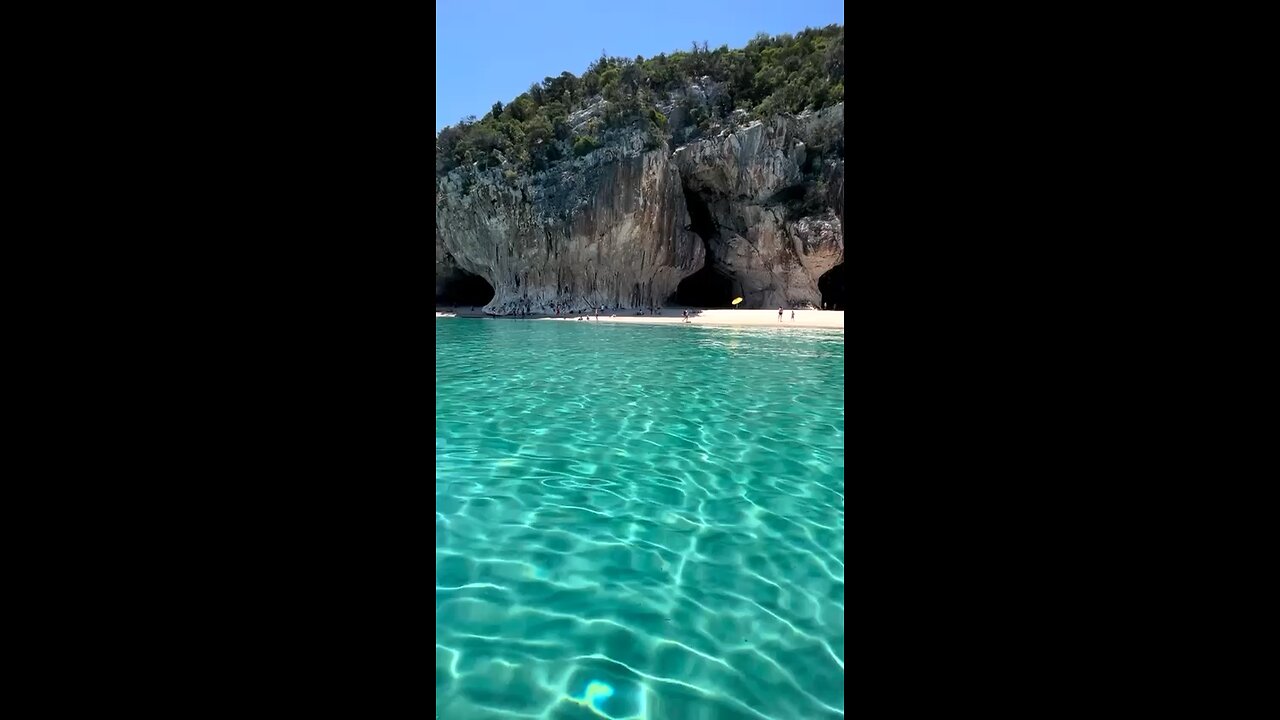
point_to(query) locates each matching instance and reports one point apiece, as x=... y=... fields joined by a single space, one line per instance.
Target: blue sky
x=491 y=50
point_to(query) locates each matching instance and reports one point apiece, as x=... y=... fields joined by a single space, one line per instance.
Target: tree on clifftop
x=771 y=75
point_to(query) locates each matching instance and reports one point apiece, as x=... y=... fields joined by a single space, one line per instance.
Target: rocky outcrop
x=775 y=205
x=609 y=229
x=622 y=226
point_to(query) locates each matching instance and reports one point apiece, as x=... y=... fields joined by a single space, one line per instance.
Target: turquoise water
x=638 y=521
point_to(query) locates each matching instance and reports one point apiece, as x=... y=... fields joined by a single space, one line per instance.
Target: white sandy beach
x=833 y=319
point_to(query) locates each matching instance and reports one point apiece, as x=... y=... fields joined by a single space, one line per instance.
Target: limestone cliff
x=607 y=229
x=775 y=218
x=761 y=204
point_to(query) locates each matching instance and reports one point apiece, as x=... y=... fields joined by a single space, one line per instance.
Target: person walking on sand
x=779 y=313
x=793 y=313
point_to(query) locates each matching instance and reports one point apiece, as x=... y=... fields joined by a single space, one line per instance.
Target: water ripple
x=638 y=522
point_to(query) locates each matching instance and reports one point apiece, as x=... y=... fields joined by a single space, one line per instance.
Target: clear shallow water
x=638 y=522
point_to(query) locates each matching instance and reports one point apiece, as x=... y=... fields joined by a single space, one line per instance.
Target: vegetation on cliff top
x=782 y=74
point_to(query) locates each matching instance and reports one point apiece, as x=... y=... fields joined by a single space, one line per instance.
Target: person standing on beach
x=779 y=313
x=793 y=314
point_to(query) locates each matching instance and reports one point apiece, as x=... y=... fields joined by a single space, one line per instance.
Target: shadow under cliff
x=463 y=289
x=709 y=287
x=832 y=287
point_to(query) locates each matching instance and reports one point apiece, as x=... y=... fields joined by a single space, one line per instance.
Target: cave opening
x=832 y=287
x=707 y=288
x=464 y=289
x=701 y=222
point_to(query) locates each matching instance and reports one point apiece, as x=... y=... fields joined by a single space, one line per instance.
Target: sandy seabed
x=716 y=317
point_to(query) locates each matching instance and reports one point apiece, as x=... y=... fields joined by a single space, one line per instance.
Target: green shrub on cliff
x=584 y=144
x=782 y=74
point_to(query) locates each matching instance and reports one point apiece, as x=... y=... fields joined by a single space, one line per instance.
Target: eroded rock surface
x=622 y=226
x=775 y=204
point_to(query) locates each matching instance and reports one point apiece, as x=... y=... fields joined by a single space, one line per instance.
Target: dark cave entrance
x=700 y=219
x=464 y=289
x=707 y=288
x=832 y=287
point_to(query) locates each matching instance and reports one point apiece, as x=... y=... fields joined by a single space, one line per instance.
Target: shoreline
x=715 y=317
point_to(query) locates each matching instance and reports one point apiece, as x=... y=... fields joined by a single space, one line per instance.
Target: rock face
x=623 y=226
x=775 y=208
x=446 y=267
x=608 y=229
